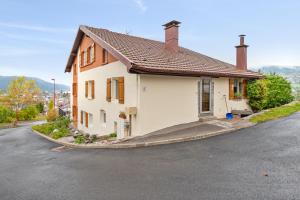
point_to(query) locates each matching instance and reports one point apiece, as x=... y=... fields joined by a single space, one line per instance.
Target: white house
x=133 y=86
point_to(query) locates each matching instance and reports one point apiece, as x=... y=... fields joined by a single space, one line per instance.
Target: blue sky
x=36 y=36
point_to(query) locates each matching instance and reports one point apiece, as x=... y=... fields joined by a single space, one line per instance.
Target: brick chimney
x=241 y=54
x=171 y=36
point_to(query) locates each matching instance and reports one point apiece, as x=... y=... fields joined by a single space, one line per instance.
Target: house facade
x=133 y=86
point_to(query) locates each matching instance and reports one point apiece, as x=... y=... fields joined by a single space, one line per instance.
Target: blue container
x=229 y=116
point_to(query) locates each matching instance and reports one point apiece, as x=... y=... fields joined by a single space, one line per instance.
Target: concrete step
x=207 y=118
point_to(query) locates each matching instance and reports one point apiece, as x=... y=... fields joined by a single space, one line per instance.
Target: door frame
x=211 y=99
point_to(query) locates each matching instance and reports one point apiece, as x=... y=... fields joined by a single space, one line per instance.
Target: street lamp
x=53 y=79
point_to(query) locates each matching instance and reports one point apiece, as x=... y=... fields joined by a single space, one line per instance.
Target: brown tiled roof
x=149 y=56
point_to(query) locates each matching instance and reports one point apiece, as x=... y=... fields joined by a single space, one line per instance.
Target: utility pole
x=53 y=79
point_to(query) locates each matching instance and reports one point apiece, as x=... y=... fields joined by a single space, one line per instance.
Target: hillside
x=44 y=85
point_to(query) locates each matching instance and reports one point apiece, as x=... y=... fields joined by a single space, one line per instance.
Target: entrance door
x=205 y=96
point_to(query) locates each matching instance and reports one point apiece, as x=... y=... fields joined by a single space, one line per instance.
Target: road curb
x=142 y=144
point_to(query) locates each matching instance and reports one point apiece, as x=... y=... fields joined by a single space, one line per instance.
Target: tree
x=270 y=92
x=279 y=91
x=21 y=93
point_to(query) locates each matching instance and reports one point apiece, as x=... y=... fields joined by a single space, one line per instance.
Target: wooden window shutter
x=86 y=89
x=92 y=53
x=108 y=90
x=121 y=89
x=231 y=89
x=88 y=56
x=81 y=117
x=245 y=88
x=93 y=89
x=86 y=119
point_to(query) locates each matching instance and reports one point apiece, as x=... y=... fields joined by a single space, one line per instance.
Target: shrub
x=270 y=92
x=113 y=135
x=6 y=115
x=52 y=115
x=257 y=94
x=279 y=91
x=62 y=132
x=28 y=113
x=46 y=129
x=61 y=124
x=51 y=105
x=40 y=107
x=80 y=139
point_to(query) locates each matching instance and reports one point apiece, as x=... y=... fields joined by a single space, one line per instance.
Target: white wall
x=221 y=88
x=166 y=101
x=113 y=108
x=161 y=101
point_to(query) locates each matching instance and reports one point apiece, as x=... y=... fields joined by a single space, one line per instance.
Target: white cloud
x=35 y=28
x=141 y=5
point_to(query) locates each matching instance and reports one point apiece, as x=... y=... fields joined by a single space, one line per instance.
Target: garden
x=272 y=95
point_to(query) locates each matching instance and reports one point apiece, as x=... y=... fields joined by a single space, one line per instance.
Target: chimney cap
x=172 y=23
x=242 y=35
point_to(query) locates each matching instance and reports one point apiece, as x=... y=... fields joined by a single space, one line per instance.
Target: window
x=103 y=117
x=237 y=88
x=90 y=89
x=104 y=56
x=90 y=121
x=115 y=88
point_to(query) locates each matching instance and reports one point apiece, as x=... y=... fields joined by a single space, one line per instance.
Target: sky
x=36 y=36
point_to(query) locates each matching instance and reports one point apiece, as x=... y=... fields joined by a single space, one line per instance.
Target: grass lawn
x=276 y=113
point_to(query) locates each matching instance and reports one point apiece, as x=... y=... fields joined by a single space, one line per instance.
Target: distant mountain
x=280 y=69
x=44 y=85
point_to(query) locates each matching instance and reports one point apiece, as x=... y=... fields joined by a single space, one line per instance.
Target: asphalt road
x=262 y=162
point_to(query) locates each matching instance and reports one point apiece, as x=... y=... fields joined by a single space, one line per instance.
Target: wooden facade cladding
x=95 y=55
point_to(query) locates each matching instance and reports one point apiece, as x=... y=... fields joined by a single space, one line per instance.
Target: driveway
x=262 y=162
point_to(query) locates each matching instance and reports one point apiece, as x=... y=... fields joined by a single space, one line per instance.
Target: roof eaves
x=144 y=70
x=117 y=54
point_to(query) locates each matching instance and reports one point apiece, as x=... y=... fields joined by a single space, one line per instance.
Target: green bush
x=80 y=139
x=52 y=115
x=270 y=92
x=46 y=129
x=113 y=135
x=257 y=94
x=6 y=115
x=61 y=124
x=28 y=113
x=40 y=107
x=62 y=132
x=279 y=91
